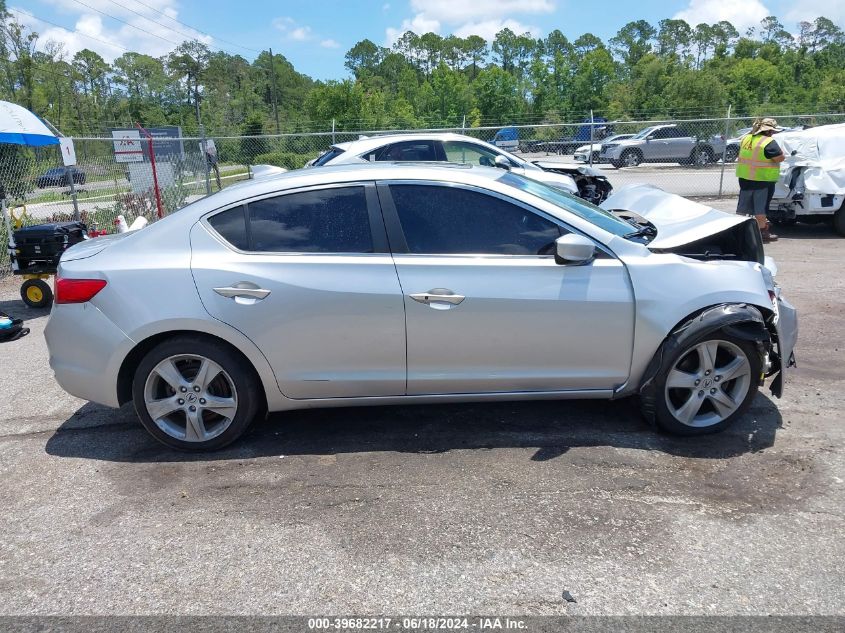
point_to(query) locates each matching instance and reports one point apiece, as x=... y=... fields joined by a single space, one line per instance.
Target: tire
x=81 y=179
x=616 y=164
x=165 y=379
x=701 y=156
x=631 y=158
x=36 y=293
x=731 y=153
x=839 y=221
x=690 y=396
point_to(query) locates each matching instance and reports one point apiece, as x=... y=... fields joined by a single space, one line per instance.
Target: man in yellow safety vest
x=758 y=170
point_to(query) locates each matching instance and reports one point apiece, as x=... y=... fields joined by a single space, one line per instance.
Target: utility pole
x=273 y=79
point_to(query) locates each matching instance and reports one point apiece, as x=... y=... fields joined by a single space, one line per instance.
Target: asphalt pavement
x=507 y=508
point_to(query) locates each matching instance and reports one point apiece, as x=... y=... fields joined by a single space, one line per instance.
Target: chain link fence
x=691 y=157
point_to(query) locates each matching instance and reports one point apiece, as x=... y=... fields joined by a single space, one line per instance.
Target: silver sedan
x=390 y=284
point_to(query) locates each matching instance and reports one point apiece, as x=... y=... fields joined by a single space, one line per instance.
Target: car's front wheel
x=706 y=385
x=195 y=394
x=631 y=158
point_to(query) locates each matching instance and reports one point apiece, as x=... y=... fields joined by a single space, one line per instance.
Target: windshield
x=578 y=206
x=644 y=133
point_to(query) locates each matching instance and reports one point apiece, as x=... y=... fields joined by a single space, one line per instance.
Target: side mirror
x=574 y=250
x=503 y=163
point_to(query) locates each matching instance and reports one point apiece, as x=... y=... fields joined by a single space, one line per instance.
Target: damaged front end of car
x=592 y=185
x=670 y=224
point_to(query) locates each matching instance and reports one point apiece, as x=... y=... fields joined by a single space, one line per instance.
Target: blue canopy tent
x=19 y=126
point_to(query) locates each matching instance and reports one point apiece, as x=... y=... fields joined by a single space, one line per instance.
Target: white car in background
x=582 y=154
x=811 y=187
x=458 y=148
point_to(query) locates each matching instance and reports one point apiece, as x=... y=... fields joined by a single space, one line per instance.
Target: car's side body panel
x=332 y=326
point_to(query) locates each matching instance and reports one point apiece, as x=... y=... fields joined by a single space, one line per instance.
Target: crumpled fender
x=737 y=319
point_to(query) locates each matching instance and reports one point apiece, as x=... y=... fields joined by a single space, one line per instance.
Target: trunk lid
x=92 y=246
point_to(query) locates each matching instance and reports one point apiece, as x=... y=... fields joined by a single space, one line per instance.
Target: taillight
x=77 y=290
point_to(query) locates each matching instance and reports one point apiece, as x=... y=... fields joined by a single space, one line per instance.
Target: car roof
x=355 y=172
x=363 y=145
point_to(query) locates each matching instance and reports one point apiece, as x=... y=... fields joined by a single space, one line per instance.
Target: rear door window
x=420 y=151
x=332 y=220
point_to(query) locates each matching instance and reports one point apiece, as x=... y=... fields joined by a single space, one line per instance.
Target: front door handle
x=243 y=291
x=440 y=298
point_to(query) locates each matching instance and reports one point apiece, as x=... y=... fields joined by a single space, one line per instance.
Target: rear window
x=324 y=158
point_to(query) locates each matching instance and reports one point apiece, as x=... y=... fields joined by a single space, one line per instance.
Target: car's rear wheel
x=702 y=156
x=195 y=394
x=706 y=385
x=731 y=153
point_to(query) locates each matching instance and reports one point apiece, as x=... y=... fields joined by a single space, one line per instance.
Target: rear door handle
x=244 y=292
x=441 y=298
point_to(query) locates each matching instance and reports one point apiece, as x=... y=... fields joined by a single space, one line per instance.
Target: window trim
x=399 y=245
x=378 y=233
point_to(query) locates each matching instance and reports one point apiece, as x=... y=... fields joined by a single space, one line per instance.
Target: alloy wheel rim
x=631 y=160
x=190 y=397
x=708 y=383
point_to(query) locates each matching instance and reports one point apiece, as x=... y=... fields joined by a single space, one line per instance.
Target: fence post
x=724 y=152
x=159 y=210
x=464 y=125
x=591 y=138
x=69 y=176
x=204 y=146
x=333 y=139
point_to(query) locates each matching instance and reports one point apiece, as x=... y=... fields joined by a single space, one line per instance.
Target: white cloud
x=488 y=28
x=329 y=43
x=301 y=33
x=108 y=38
x=419 y=24
x=470 y=17
x=283 y=23
x=742 y=14
x=809 y=10
x=292 y=30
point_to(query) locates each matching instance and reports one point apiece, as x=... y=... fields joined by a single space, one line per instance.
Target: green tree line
x=672 y=69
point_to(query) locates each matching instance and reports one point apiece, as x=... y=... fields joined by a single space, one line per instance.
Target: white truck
x=811 y=187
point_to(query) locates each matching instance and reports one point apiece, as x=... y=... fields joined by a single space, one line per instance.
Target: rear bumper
x=86 y=350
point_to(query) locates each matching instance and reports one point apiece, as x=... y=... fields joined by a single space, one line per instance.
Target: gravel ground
x=498 y=508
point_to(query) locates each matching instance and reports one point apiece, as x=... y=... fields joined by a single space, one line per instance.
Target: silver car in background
x=393 y=284
x=663 y=144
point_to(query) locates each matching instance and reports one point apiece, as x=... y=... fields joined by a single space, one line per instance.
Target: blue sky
x=315 y=35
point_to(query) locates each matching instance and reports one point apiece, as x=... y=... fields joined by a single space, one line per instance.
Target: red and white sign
x=127 y=146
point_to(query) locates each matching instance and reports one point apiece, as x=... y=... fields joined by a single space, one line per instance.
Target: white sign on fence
x=127 y=146
x=68 y=152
